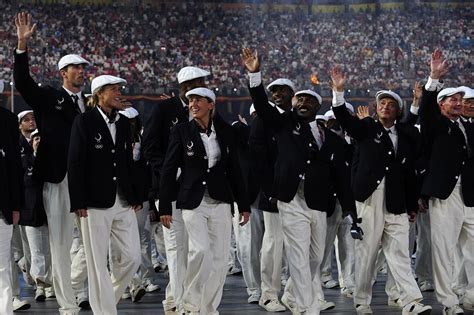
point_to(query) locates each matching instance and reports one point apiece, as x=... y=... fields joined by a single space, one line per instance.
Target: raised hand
x=417 y=90
x=363 y=112
x=439 y=65
x=250 y=60
x=338 y=79
x=24 y=29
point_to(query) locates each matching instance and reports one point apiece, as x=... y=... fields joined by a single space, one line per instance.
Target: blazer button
x=204 y=182
x=310 y=145
x=113 y=151
x=378 y=182
x=386 y=168
x=114 y=178
x=308 y=162
x=205 y=157
x=300 y=176
x=464 y=147
x=463 y=162
x=335 y=194
x=115 y=164
x=457 y=177
x=208 y=170
x=389 y=152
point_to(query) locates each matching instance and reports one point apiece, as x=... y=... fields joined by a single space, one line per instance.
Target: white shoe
x=151 y=287
x=456 y=309
x=330 y=284
x=363 y=309
x=126 y=295
x=395 y=303
x=49 y=291
x=416 y=308
x=468 y=306
x=348 y=293
x=326 y=305
x=426 y=286
x=20 y=305
x=272 y=305
x=40 y=296
x=137 y=294
x=253 y=298
x=291 y=305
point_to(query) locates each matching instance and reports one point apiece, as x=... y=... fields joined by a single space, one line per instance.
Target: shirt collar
x=79 y=94
x=106 y=118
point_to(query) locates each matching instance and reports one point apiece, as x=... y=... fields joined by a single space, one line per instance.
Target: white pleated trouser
x=60 y=225
x=271 y=259
x=304 y=232
x=252 y=271
x=391 y=230
x=6 y=297
x=158 y=252
x=452 y=224
x=145 y=272
x=423 y=265
x=176 y=245
x=460 y=278
x=79 y=264
x=38 y=239
x=209 y=229
x=345 y=255
x=16 y=254
x=116 y=229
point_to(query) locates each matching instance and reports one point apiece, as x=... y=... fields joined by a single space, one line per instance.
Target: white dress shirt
x=211 y=145
x=110 y=124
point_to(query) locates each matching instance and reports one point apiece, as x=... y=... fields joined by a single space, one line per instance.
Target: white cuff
x=414 y=109
x=255 y=79
x=433 y=85
x=19 y=51
x=338 y=98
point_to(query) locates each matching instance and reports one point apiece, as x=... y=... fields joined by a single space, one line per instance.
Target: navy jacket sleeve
x=77 y=165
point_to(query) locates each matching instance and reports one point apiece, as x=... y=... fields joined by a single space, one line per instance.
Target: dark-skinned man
x=309 y=170
x=55 y=111
x=165 y=116
x=448 y=183
x=384 y=188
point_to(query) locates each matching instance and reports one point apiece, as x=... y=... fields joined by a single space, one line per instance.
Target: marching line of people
x=87 y=184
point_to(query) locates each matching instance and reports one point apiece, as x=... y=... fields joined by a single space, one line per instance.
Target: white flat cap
x=71 y=60
x=23 y=114
x=282 y=81
x=449 y=92
x=204 y=92
x=129 y=112
x=468 y=92
x=321 y=117
x=191 y=73
x=34 y=133
x=252 y=109
x=102 y=80
x=329 y=115
x=312 y=93
x=385 y=93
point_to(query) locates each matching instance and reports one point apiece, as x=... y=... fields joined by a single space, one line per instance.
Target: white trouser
x=209 y=229
x=460 y=278
x=252 y=271
x=345 y=255
x=423 y=266
x=176 y=245
x=21 y=248
x=16 y=254
x=146 y=271
x=60 y=225
x=391 y=230
x=271 y=258
x=6 y=297
x=304 y=233
x=158 y=251
x=243 y=242
x=233 y=263
x=40 y=269
x=78 y=264
x=452 y=224
x=116 y=229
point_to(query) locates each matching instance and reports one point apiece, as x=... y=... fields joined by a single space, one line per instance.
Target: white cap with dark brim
x=468 y=92
x=34 y=133
x=312 y=93
x=23 y=114
x=129 y=112
x=386 y=93
x=103 y=80
x=71 y=60
x=321 y=117
x=204 y=92
x=282 y=81
x=449 y=92
x=191 y=73
x=329 y=115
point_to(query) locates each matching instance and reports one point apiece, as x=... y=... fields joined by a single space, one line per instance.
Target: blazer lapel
x=195 y=139
x=102 y=129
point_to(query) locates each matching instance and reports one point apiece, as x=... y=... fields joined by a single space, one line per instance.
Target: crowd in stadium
x=145 y=46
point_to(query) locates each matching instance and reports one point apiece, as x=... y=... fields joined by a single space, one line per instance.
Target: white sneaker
x=151 y=287
x=456 y=309
x=291 y=305
x=416 y=308
x=348 y=293
x=40 y=296
x=126 y=295
x=272 y=305
x=363 y=309
x=326 y=305
x=468 y=306
x=426 y=286
x=49 y=291
x=395 y=303
x=330 y=284
x=253 y=298
x=20 y=305
x=137 y=293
